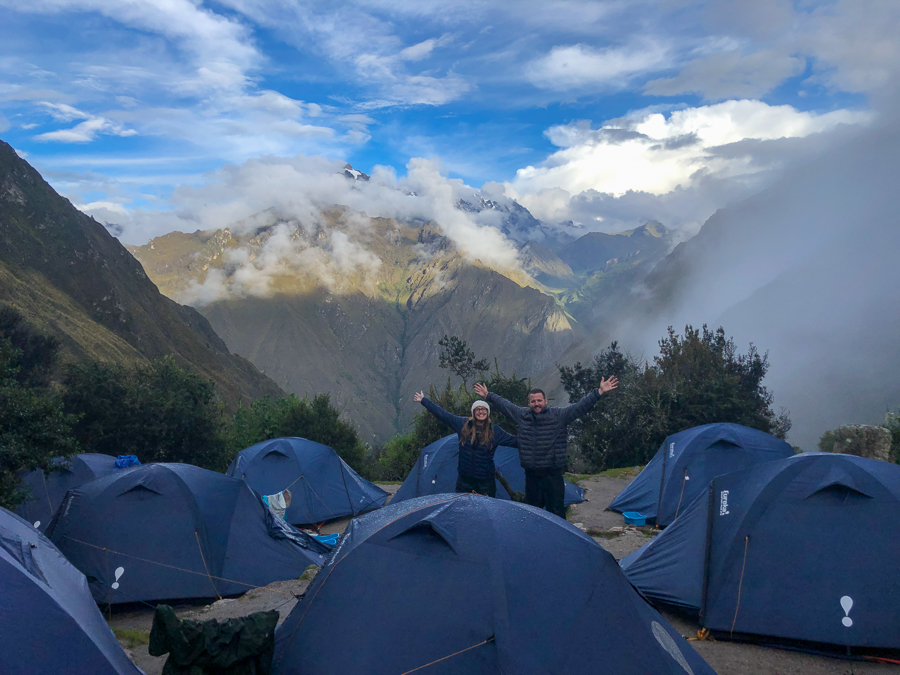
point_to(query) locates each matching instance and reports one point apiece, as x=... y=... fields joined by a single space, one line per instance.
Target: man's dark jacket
x=476 y=461
x=542 y=438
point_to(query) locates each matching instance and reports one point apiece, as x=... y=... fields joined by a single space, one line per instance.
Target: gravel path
x=608 y=529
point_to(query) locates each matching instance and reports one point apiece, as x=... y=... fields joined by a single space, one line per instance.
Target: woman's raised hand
x=418 y=396
x=481 y=390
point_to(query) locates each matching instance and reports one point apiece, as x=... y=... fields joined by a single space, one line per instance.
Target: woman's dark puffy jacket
x=475 y=461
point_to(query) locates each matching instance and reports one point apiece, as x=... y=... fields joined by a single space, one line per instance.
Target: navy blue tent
x=688 y=460
x=468 y=584
x=322 y=485
x=163 y=531
x=804 y=548
x=48 y=489
x=436 y=470
x=48 y=621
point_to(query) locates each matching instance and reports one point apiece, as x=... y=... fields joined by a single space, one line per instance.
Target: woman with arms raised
x=478 y=440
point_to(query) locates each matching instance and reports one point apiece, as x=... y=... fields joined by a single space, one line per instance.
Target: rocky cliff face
x=365 y=332
x=69 y=276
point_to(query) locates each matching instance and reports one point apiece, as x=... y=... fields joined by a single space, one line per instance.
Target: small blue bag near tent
x=435 y=472
x=688 y=460
x=124 y=461
x=804 y=548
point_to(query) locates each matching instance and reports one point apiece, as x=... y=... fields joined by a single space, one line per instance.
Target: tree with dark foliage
x=33 y=427
x=157 y=411
x=456 y=357
x=699 y=378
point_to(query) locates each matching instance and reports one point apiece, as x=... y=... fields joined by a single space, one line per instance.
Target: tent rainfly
x=323 y=487
x=803 y=548
x=435 y=472
x=49 y=622
x=475 y=585
x=165 y=531
x=688 y=460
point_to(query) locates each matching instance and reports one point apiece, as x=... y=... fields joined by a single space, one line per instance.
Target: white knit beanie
x=481 y=404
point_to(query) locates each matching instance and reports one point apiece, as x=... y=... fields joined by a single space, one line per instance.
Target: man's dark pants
x=487 y=487
x=546 y=489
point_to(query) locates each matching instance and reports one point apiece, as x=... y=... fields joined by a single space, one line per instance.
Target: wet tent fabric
x=47 y=489
x=165 y=531
x=322 y=485
x=688 y=460
x=804 y=548
x=471 y=584
x=436 y=471
x=49 y=622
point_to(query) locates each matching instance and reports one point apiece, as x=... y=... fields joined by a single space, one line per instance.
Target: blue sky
x=602 y=113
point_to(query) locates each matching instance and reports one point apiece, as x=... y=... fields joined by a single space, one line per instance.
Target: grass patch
x=132 y=638
x=388 y=482
x=603 y=534
x=309 y=573
x=621 y=472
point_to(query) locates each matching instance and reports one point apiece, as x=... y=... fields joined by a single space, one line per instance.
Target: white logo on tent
x=37 y=524
x=119 y=572
x=723 y=503
x=666 y=642
x=671 y=449
x=847 y=605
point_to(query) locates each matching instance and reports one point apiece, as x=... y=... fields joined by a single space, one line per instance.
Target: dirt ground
x=606 y=527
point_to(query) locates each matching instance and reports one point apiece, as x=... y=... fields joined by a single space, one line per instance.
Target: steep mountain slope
x=367 y=332
x=68 y=275
x=597 y=250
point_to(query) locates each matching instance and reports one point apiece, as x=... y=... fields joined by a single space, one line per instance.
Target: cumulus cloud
x=682 y=166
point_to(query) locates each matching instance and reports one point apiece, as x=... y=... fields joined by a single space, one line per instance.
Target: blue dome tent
x=804 y=548
x=323 y=487
x=469 y=584
x=49 y=622
x=688 y=460
x=436 y=470
x=48 y=489
x=163 y=531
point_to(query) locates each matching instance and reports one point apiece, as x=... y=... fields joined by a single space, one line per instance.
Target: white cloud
x=86 y=131
x=655 y=154
x=581 y=66
x=677 y=169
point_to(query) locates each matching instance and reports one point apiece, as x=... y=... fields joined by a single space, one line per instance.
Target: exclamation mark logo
x=847 y=605
x=119 y=572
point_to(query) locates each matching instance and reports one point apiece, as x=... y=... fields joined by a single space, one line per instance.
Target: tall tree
x=456 y=357
x=698 y=378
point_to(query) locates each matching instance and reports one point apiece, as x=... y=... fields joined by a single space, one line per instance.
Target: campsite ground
x=133 y=624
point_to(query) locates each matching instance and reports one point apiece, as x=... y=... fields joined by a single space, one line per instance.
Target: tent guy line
x=180 y=569
x=449 y=656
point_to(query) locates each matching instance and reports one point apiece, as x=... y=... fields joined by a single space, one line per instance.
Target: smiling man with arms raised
x=543 y=433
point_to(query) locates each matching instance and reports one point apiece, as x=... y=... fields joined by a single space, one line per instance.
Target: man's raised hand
x=481 y=390
x=608 y=385
x=418 y=396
